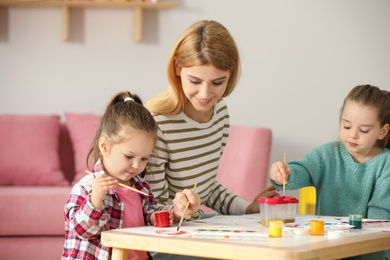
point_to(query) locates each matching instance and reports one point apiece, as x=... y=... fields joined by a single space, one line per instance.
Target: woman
x=193 y=122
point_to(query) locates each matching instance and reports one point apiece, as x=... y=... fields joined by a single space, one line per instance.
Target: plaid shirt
x=84 y=223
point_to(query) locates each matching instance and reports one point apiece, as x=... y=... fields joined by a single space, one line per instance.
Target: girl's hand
x=278 y=171
x=153 y=218
x=100 y=185
x=180 y=203
x=268 y=192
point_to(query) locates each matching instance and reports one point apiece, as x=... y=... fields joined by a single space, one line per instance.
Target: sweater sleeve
x=305 y=172
x=156 y=174
x=379 y=204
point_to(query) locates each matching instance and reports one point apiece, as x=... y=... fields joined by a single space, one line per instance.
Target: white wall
x=299 y=59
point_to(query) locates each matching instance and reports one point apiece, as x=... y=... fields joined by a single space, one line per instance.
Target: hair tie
x=128 y=99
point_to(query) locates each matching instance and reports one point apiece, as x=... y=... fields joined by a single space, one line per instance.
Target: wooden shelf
x=137 y=6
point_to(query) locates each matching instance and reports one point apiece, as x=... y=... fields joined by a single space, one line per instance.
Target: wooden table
x=355 y=242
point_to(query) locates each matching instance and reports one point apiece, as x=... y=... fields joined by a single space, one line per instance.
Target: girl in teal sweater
x=351 y=176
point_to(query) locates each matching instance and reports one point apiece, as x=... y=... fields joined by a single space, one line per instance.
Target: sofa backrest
x=66 y=153
x=243 y=169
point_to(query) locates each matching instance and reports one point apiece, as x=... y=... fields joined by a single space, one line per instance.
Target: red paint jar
x=162 y=219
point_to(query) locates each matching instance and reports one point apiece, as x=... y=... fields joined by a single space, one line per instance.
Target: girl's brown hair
x=119 y=120
x=203 y=43
x=371 y=96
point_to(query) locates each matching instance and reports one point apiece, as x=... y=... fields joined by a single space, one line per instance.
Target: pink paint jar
x=162 y=219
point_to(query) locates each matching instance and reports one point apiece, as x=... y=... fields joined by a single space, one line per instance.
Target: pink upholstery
x=243 y=169
x=29 y=248
x=29 y=150
x=32 y=210
x=82 y=129
x=32 y=222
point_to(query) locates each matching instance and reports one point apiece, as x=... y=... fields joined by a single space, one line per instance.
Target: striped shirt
x=188 y=152
x=84 y=223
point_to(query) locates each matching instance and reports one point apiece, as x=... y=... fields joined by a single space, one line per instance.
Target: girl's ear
x=384 y=131
x=103 y=146
x=177 y=69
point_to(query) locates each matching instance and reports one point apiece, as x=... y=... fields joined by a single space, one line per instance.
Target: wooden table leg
x=119 y=253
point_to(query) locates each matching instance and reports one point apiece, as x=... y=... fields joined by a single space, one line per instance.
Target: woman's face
x=203 y=86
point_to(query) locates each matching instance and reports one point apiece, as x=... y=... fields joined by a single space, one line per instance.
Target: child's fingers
x=106 y=182
x=277 y=172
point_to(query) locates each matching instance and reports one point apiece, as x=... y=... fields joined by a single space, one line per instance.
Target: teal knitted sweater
x=344 y=187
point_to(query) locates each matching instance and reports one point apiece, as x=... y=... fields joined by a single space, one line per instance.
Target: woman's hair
x=124 y=114
x=203 y=43
x=373 y=97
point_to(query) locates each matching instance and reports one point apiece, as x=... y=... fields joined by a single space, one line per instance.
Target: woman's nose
x=204 y=91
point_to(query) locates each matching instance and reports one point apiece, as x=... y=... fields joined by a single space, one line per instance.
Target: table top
x=348 y=242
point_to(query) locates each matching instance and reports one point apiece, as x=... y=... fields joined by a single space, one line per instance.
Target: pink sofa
x=243 y=169
x=41 y=159
x=38 y=165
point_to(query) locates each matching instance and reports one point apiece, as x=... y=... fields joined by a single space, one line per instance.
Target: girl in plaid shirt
x=124 y=141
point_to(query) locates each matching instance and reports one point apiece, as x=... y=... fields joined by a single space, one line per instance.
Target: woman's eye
x=129 y=156
x=145 y=159
x=364 y=131
x=194 y=82
x=217 y=83
x=347 y=127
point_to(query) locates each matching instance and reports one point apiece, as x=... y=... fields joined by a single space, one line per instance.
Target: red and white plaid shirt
x=84 y=223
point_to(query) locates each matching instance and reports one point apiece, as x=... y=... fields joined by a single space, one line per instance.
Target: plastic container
x=317 y=227
x=275 y=228
x=162 y=219
x=290 y=209
x=356 y=221
x=271 y=209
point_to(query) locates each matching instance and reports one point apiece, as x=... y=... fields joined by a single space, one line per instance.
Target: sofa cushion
x=82 y=130
x=37 y=247
x=32 y=210
x=29 y=150
x=66 y=153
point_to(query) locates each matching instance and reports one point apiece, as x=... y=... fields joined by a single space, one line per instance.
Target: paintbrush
x=185 y=210
x=123 y=185
x=284 y=178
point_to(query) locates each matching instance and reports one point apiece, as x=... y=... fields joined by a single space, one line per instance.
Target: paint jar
x=356 y=220
x=290 y=209
x=271 y=209
x=162 y=219
x=275 y=228
x=317 y=227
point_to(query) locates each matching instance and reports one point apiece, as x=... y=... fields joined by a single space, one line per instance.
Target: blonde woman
x=193 y=124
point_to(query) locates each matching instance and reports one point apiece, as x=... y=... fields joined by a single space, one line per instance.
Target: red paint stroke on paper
x=171 y=233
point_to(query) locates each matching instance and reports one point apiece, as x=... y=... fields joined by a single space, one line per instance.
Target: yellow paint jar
x=317 y=227
x=275 y=228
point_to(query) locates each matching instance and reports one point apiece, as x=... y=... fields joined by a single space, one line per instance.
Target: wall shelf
x=137 y=5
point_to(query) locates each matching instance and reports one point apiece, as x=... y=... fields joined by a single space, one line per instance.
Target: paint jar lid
x=276 y=223
x=272 y=201
x=291 y=200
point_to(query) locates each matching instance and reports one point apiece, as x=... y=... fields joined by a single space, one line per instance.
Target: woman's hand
x=254 y=207
x=100 y=185
x=180 y=203
x=279 y=171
